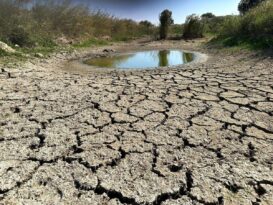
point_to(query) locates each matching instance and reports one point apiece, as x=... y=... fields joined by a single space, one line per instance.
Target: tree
x=146 y=27
x=246 y=5
x=207 y=15
x=193 y=27
x=165 y=22
x=146 y=23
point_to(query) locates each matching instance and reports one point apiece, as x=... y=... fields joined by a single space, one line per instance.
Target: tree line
x=254 y=25
x=40 y=23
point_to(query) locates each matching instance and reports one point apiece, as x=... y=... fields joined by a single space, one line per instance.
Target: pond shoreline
x=79 y=63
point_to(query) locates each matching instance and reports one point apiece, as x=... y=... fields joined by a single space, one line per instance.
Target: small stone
x=5 y=47
x=39 y=55
x=108 y=50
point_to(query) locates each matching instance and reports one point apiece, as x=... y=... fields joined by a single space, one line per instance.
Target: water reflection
x=108 y=62
x=163 y=58
x=187 y=57
x=143 y=60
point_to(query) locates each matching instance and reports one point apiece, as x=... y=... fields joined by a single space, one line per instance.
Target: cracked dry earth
x=202 y=134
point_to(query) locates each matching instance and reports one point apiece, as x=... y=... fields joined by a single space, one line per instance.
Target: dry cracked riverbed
x=202 y=134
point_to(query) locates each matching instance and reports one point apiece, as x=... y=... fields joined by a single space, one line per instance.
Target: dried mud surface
x=202 y=134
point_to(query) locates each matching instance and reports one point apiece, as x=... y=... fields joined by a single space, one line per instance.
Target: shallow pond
x=143 y=59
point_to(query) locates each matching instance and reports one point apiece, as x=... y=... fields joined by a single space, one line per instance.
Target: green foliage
x=193 y=27
x=207 y=15
x=255 y=28
x=40 y=23
x=245 y=5
x=147 y=28
x=197 y=27
x=91 y=42
x=19 y=36
x=165 y=22
x=3 y=53
x=176 y=29
x=243 y=42
x=231 y=26
x=211 y=23
x=146 y=23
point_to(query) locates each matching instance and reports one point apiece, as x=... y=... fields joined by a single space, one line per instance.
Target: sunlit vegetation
x=47 y=23
x=193 y=27
x=91 y=42
x=212 y=24
x=253 y=29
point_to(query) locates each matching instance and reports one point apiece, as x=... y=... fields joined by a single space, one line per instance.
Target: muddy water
x=143 y=59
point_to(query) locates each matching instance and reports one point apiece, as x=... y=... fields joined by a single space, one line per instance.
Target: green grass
x=45 y=48
x=90 y=43
x=3 y=53
x=6 y=58
x=248 y=43
x=24 y=53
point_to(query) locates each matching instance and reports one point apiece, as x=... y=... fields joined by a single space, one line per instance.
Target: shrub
x=255 y=27
x=175 y=30
x=257 y=22
x=212 y=24
x=19 y=36
x=193 y=27
x=42 y=22
x=146 y=27
x=3 y=53
x=231 y=26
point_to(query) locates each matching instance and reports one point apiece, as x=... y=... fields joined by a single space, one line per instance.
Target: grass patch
x=90 y=43
x=42 y=50
x=3 y=53
x=13 y=58
x=261 y=43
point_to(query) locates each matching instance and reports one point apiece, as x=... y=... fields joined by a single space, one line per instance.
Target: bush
x=231 y=26
x=255 y=27
x=19 y=36
x=213 y=24
x=3 y=53
x=146 y=27
x=253 y=30
x=42 y=22
x=175 y=31
x=193 y=27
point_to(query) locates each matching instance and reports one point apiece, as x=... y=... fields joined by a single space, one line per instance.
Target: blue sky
x=150 y=9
